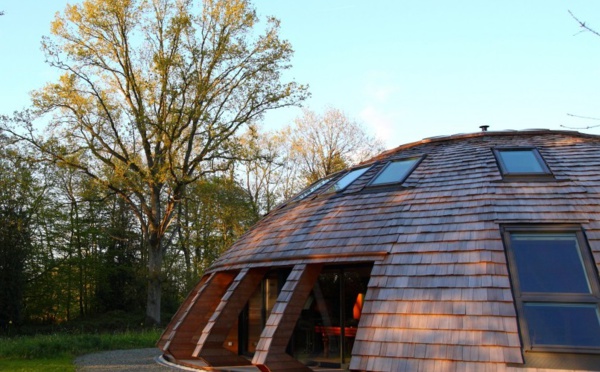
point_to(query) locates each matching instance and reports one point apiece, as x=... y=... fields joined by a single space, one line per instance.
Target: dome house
x=472 y=252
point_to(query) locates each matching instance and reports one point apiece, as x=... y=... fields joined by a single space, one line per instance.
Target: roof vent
x=484 y=128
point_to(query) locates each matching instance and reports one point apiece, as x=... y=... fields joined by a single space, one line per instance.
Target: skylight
x=345 y=181
x=395 y=172
x=312 y=188
x=521 y=161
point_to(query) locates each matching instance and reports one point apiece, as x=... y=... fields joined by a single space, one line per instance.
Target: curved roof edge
x=459 y=136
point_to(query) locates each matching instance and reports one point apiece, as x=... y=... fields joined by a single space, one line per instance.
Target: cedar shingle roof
x=439 y=297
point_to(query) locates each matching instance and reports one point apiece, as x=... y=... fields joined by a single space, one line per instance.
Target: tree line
x=135 y=169
x=72 y=248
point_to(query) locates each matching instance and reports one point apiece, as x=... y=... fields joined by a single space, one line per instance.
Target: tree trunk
x=184 y=238
x=155 y=258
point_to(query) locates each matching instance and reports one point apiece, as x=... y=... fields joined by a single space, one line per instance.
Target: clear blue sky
x=406 y=69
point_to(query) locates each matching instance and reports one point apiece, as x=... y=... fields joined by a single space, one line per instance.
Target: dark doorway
x=253 y=318
x=325 y=332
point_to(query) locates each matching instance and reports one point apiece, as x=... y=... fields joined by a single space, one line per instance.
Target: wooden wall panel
x=188 y=327
x=181 y=313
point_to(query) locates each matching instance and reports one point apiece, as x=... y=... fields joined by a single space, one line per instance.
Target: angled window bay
x=556 y=288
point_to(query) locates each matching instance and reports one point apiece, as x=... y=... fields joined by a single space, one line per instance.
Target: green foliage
x=121 y=282
x=14 y=248
x=17 y=198
x=58 y=364
x=136 y=186
x=71 y=345
x=151 y=97
x=213 y=214
x=87 y=257
x=107 y=322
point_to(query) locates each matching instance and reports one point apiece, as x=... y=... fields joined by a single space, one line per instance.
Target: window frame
x=545 y=175
x=418 y=161
x=521 y=298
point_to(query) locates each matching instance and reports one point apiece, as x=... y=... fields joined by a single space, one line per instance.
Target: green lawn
x=64 y=364
x=56 y=352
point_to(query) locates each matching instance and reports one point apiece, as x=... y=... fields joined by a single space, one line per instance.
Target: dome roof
x=452 y=187
x=451 y=249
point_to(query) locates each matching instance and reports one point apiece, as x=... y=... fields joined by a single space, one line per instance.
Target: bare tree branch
x=583 y=25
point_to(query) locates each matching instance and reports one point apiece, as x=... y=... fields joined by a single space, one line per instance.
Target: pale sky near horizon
x=406 y=69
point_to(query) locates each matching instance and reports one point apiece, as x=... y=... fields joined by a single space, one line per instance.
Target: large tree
x=268 y=173
x=17 y=204
x=326 y=143
x=151 y=96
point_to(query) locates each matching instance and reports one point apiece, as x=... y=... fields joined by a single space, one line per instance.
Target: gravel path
x=123 y=361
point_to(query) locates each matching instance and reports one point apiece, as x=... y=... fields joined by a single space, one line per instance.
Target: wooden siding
x=187 y=325
x=442 y=300
x=439 y=297
x=181 y=313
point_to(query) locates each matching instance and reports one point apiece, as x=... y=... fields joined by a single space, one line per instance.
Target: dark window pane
x=347 y=179
x=549 y=263
x=563 y=324
x=328 y=323
x=521 y=161
x=395 y=172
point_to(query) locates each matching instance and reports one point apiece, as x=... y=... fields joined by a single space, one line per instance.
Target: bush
x=71 y=345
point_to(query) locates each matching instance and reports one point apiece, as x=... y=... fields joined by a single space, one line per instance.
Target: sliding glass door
x=325 y=332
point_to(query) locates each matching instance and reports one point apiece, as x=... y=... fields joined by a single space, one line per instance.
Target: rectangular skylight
x=346 y=180
x=395 y=172
x=521 y=161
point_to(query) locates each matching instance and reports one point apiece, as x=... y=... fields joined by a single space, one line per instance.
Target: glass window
x=325 y=332
x=556 y=289
x=549 y=263
x=347 y=179
x=395 y=172
x=560 y=324
x=521 y=161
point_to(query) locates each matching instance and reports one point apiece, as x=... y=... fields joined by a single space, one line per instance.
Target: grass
x=55 y=352
x=45 y=365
